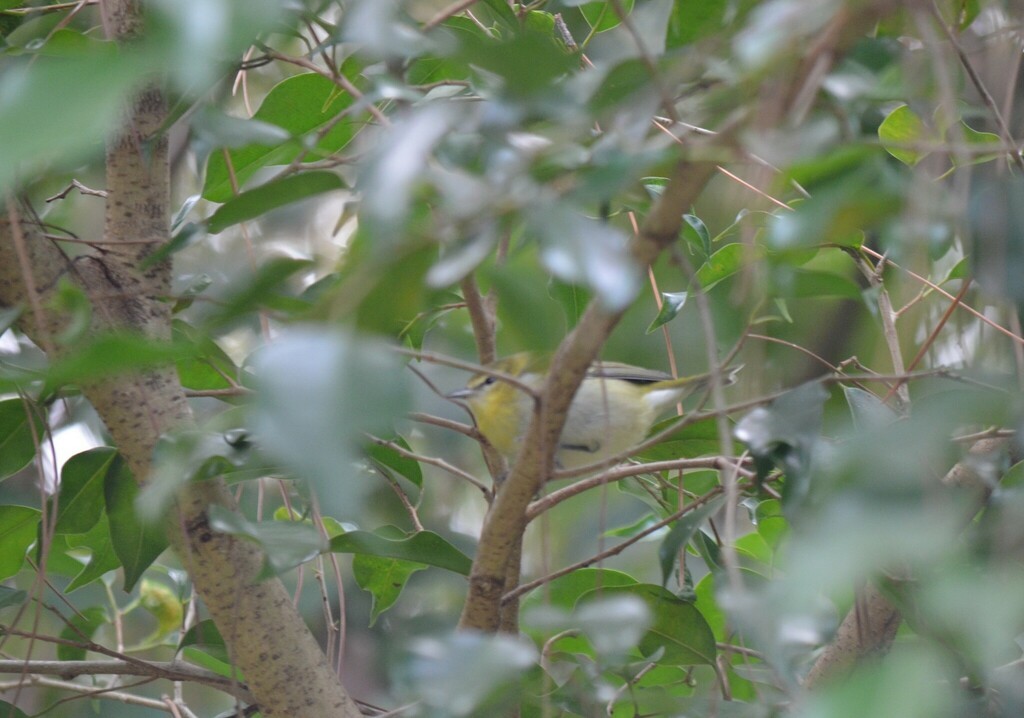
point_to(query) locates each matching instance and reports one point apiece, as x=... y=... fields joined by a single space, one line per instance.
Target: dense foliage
x=371 y=198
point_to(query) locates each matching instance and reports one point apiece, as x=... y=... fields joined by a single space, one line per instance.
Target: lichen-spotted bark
x=280 y=659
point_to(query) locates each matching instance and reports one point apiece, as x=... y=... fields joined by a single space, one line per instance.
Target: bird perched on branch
x=613 y=410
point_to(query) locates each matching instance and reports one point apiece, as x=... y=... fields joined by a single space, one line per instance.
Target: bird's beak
x=461 y=393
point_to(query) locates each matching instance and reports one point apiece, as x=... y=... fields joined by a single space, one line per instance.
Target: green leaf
x=286 y=544
x=565 y=591
x=975 y=137
x=203 y=645
x=268 y=288
x=580 y=250
x=694 y=440
x=900 y=128
x=696 y=233
x=808 y=283
x=136 y=543
x=206 y=635
x=80 y=629
x=694 y=20
x=12 y=711
x=602 y=16
x=770 y=521
x=725 y=262
x=90 y=88
x=868 y=411
x=300 y=104
x=267 y=197
x=671 y=304
x=110 y=355
x=383 y=579
x=17 y=438
x=11 y=597
x=319 y=392
x=80 y=501
x=422 y=547
x=528 y=64
x=680 y=535
x=18 y=529
x=387 y=458
x=677 y=627
x=102 y=557
x=207 y=366
x=784 y=433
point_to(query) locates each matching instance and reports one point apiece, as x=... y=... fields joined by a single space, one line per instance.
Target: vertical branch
x=502 y=533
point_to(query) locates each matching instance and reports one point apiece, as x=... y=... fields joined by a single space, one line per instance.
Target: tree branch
x=503 y=529
x=166 y=670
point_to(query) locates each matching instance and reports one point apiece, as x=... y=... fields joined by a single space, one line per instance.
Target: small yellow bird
x=614 y=409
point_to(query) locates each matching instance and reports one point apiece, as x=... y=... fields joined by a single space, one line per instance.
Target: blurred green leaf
x=285 y=544
x=17 y=436
x=80 y=501
x=580 y=250
x=695 y=20
x=318 y=391
x=198 y=37
x=81 y=627
x=299 y=104
x=108 y=355
x=725 y=262
x=421 y=547
x=207 y=366
x=102 y=557
x=90 y=89
x=565 y=591
x=465 y=673
x=867 y=409
x=603 y=15
x=11 y=597
x=614 y=622
x=527 y=64
x=268 y=197
x=206 y=635
x=784 y=433
x=808 y=283
x=995 y=219
x=136 y=543
x=975 y=137
x=677 y=627
x=681 y=533
x=900 y=131
x=18 y=530
x=12 y=711
x=770 y=521
x=268 y=288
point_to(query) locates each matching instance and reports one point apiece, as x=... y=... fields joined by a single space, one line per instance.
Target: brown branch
x=166 y=670
x=503 y=529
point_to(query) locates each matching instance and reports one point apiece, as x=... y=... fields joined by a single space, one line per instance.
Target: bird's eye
x=489 y=380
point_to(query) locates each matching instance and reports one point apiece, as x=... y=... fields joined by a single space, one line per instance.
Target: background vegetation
x=247 y=247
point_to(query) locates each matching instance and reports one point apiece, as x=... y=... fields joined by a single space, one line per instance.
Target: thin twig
x=444 y=13
x=613 y=551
